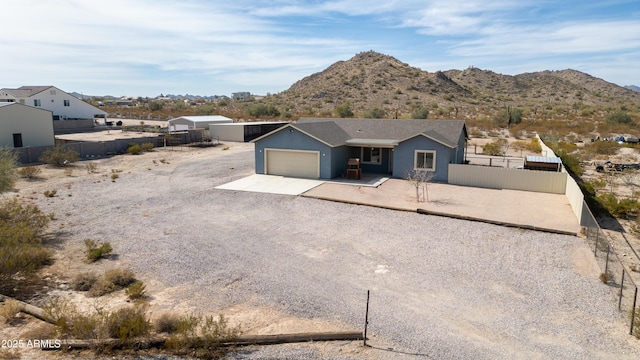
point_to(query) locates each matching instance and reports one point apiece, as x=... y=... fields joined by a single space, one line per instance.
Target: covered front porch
x=375 y=155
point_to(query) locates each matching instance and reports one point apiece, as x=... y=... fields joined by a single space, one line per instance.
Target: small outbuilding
x=22 y=126
x=543 y=163
x=243 y=132
x=184 y=123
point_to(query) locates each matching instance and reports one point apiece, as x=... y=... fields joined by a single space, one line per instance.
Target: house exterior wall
x=403 y=157
x=34 y=125
x=53 y=99
x=294 y=140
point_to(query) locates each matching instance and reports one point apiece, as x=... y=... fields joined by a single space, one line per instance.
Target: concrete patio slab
x=272 y=184
x=541 y=211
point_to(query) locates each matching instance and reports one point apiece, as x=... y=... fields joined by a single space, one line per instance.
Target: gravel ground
x=440 y=288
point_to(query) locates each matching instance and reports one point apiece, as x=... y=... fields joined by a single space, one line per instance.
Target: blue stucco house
x=320 y=148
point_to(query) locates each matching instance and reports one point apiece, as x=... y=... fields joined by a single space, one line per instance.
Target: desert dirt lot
x=440 y=288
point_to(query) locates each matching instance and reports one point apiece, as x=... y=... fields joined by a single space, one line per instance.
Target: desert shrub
x=22 y=250
x=95 y=252
x=59 y=156
x=128 y=323
x=50 y=193
x=619 y=117
x=146 y=147
x=9 y=310
x=120 y=277
x=495 y=148
x=623 y=208
x=420 y=113
x=91 y=168
x=136 y=291
x=29 y=172
x=134 y=149
x=344 y=110
x=201 y=336
x=8 y=164
x=602 y=147
x=167 y=323
x=112 y=280
x=124 y=324
x=84 y=281
x=534 y=146
x=375 y=113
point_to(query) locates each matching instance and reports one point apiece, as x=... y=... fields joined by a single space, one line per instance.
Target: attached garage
x=294 y=163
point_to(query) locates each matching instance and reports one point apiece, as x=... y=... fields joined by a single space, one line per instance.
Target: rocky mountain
x=371 y=80
x=633 y=87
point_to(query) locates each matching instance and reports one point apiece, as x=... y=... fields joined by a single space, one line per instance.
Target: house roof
x=210 y=118
x=543 y=159
x=388 y=132
x=26 y=91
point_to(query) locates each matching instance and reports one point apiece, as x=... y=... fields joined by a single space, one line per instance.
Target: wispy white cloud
x=218 y=46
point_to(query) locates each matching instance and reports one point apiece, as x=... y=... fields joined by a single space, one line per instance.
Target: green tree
x=8 y=165
x=344 y=110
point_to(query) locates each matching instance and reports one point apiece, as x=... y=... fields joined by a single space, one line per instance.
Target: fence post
x=633 y=310
x=606 y=263
x=366 y=320
x=595 y=249
x=621 y=289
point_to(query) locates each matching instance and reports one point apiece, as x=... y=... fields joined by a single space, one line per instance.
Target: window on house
x=371 y=155
x=17 y=140
x=36 y=102
x=425 y=160
x=67 y=103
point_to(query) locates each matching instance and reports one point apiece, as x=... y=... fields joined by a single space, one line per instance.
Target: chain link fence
x=614 y=273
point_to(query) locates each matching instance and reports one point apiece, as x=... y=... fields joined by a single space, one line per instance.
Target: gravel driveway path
x=440 y=288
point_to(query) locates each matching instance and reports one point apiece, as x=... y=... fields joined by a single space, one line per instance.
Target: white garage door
x=294 y=163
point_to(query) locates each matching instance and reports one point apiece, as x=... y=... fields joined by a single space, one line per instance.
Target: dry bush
x=50 y=193
x=91 y=168
x=29 y=172
x=112 y=280
x=9 y=311
x=84 y=281
x=167 y=323
x=22 y=249
x=127 y=323
x=201 y=336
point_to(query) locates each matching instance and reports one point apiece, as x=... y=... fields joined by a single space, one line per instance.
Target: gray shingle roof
x=26 y=91
x=337 y=131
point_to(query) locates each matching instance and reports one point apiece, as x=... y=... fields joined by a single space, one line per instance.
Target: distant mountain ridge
x=632 y=87
x=373 y=80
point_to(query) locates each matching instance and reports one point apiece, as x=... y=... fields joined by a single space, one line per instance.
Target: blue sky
x=148 y=47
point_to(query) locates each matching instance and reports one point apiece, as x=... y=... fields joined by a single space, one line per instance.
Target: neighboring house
x=321 y=148
x=184 y=123
x=63 y=106
x=22 y=126
x=241 y=96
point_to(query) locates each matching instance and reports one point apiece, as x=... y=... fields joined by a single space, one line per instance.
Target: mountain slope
x=372 y=80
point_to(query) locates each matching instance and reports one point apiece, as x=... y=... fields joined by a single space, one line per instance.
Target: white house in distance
x=63 y=106
x=184 y=123
x=22 y=126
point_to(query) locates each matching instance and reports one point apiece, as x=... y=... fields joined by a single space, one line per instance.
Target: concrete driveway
x=272 y=184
